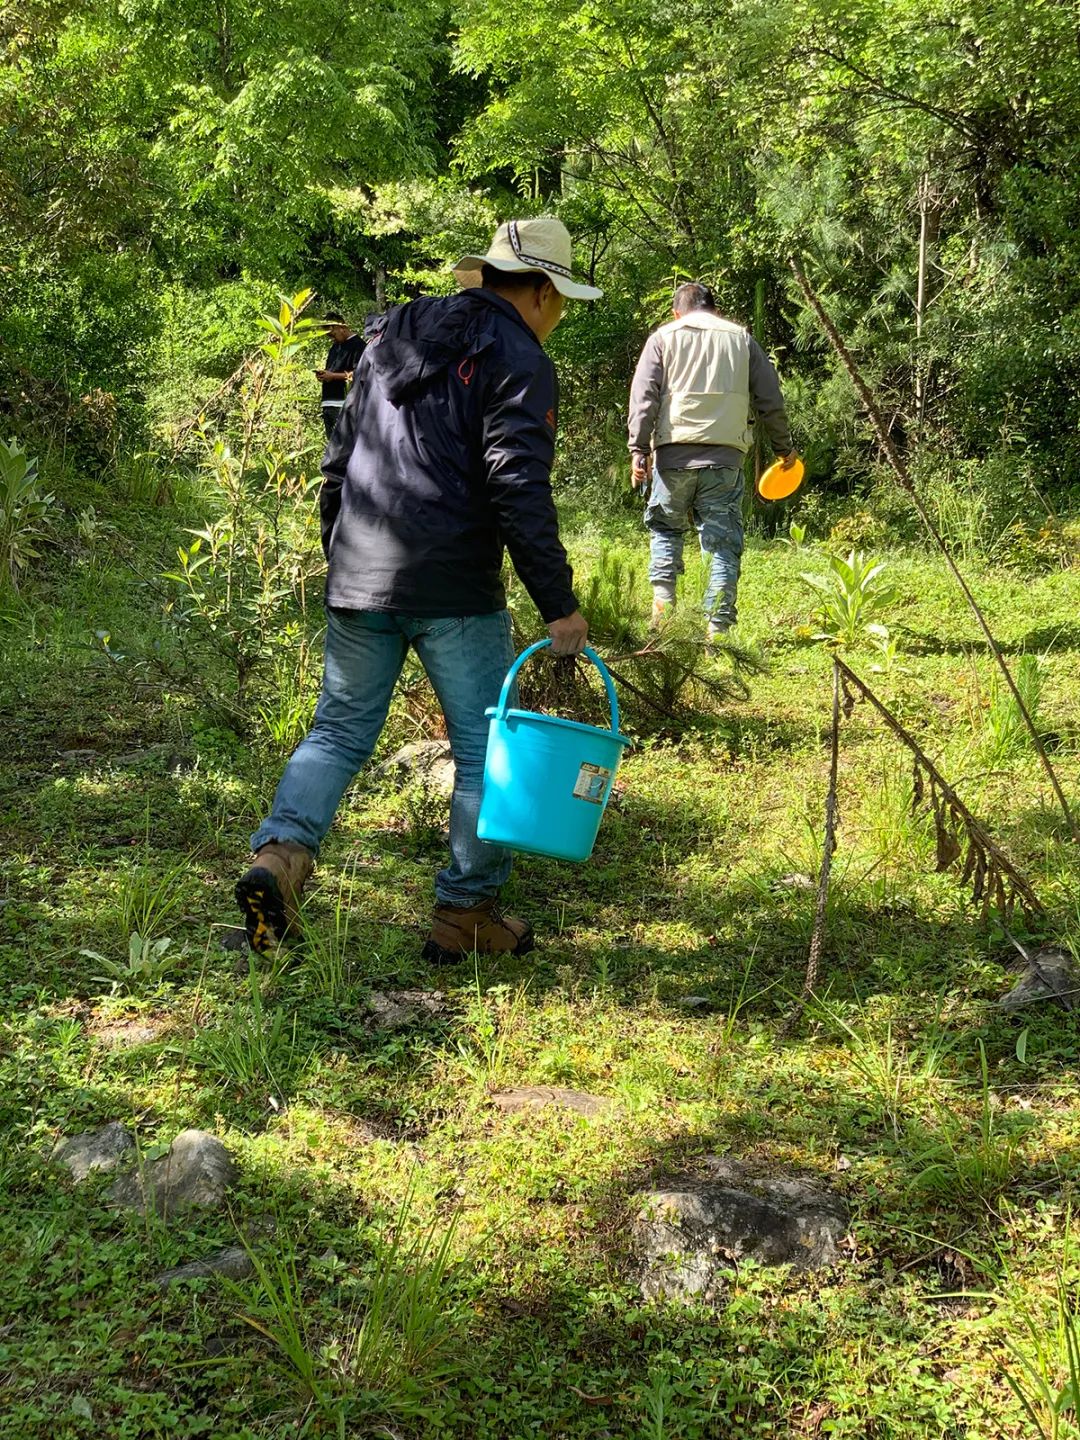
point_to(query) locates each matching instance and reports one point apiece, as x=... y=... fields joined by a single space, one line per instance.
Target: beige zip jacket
x=697 y=383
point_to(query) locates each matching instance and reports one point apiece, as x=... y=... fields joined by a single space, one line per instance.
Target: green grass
x=430 y=1267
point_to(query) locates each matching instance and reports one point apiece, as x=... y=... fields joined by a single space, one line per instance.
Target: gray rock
x=795 y=881
x=538 y=1097
x=1047 y=974
x=131 y=758
x=233 y=1262
x=430 y=762
x=102 y=1149
x=124 y=1034
x=234 y=940
x=195 y=1172
x=692 y=1230
x=398 y=1009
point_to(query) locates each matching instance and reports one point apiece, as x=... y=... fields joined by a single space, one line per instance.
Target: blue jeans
x=466 y=660
x=711 y=498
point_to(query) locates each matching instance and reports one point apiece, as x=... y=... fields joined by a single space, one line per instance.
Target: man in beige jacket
x=697 y=381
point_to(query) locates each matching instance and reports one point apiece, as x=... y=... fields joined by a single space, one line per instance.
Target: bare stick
x=901 y=471
x=817 y=934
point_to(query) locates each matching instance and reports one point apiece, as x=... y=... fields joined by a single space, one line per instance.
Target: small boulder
x=195 y=1172
x=794 y=881
x=429 y=762
x=102 y=1149
x=157 y=754
x=691 y=1231
x=398 y=1009
x=1047 y=974
x=538 y=1097
x=125 y=1034
x=233 y=1262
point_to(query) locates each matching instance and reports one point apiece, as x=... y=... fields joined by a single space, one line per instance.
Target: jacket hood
x=418 y=340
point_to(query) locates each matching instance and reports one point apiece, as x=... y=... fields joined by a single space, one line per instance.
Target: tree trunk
x=929 y=226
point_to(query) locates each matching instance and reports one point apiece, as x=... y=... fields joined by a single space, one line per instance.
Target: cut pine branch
x=903 y=476
x=961 y=840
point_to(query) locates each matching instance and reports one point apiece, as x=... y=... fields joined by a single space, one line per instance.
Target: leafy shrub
x=23 y=509
x=146 y=967
x=245 y=578
x=853 y=597
x=1006 y=734
x=857 y=529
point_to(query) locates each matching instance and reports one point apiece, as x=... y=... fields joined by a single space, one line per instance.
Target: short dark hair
x=693 y=296
x=496 y=279
x=334 y=317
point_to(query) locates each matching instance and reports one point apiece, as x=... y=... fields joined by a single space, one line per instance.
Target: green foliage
x=1045 y=1374
x=148 y=964
x=538 y=1326
x=287 y=332
x=977 y=1161
x=1006 y=733
x=398 y=1344
x=23 y=512
x=254 y=1049
x=853 y=597
x=245 y=579
x=328 y=964
x=151 y=896
x=487 y=1031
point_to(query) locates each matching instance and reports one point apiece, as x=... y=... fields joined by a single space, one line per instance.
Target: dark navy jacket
x=441 y=457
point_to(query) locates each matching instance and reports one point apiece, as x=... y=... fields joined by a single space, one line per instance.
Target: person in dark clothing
x=442 y=458
x=346 y=347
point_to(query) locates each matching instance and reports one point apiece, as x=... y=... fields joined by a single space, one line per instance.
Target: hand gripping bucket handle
x=547 y=780
x=588 y=652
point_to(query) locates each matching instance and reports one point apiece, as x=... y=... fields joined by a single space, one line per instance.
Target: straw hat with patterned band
x=539 y=244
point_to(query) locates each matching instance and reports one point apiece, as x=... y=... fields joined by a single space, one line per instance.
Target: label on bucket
x=591 y=783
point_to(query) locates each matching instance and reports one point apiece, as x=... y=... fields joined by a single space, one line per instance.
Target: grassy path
x=363 y=1151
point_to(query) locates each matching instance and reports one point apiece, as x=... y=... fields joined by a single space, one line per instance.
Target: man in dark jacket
x=442 y=457
x=346 y=347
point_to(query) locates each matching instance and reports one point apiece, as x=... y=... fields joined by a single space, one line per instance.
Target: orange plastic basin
x=776 y=483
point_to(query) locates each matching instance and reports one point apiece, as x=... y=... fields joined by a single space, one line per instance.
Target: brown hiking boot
x=269 y=894
x=458 y=930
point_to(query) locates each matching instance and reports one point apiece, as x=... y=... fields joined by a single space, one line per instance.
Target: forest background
x=168 y=170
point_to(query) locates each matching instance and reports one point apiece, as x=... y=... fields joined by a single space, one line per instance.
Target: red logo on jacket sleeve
x=549 y=419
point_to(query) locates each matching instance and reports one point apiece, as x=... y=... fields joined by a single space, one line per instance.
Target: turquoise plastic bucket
x=547 y=780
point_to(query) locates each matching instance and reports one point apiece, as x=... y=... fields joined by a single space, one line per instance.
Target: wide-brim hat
x=542 y=243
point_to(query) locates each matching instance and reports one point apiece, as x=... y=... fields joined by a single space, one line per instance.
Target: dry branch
x=817 y=934
x=961 y=839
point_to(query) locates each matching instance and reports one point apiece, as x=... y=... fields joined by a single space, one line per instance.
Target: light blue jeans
x=711 y=498
x=466 y=660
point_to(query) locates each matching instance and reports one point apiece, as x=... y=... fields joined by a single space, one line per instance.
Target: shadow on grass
x=1041 y=640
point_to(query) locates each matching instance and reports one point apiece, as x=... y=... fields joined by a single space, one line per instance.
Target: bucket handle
x=588 y=652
